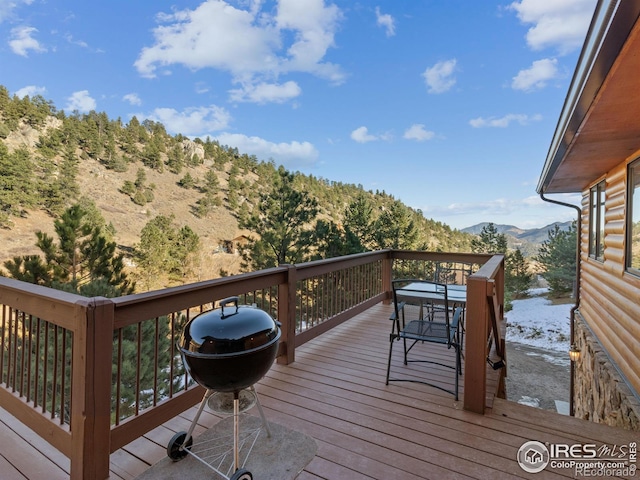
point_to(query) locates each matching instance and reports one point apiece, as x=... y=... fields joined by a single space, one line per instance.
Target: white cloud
x=80 y=101
x=192 y=121
x=201 y=88
x=22 y=41
x=7 y=7
x=81 y=43
x=314 y=26
x=500 y=206
x=266 y=92
x=132 y=98
x=561 y=24
x=30 y=90
x=536 y=76
x=386 y=21
x=528 y=212
x=291 y=155
x=361 y=135
x=418 y=132
x=254 y=46
x=439 y=78
x=505 y=121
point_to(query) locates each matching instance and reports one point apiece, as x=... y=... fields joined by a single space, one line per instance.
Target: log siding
x=609 y=295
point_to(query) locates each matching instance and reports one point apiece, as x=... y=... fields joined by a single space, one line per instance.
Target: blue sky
x=448 y=105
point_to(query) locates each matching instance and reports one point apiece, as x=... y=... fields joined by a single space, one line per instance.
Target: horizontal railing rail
x=54 y=344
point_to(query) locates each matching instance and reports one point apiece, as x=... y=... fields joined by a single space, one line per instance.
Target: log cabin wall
x=607 y=378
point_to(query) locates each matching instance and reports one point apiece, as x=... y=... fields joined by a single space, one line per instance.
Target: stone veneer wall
x=600 y=393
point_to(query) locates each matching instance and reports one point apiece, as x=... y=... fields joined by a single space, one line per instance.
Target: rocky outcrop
x=27 y=137
x=192 y=148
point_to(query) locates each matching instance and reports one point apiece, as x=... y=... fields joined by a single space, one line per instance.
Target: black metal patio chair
x=422 y=315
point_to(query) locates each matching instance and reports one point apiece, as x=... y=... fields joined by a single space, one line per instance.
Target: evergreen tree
x=187 y=181
x=175 y=159
x=17 y=185
x=557 y=256
x=29 y=268
x=164 y=250
x=489 y=241
x=140 y=193
x=66 y=182
x=151 y=154
x=281 y=224
x=82 y=261
x=395 y=228
x=333 y=241
x=210 y=198
x=517 y=275
x=358 y=218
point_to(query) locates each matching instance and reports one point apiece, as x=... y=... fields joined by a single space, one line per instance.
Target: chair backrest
x=421 y=290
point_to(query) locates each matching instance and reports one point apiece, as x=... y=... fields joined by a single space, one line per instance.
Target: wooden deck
x=335 y=392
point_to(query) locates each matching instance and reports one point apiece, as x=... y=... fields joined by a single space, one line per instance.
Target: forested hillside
x=135 y=176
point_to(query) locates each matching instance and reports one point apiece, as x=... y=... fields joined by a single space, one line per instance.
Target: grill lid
x=230 y=329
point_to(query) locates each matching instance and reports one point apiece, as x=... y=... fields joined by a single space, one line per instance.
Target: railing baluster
x=13 y=353
x=156 y=359
x=172 y=351
x=138 y=366
x=37 y=362
x=118 y=377
x=54 y=386
x=29 y=359
x=5 y=309
x=63 y=374
x=45 y=367
x=23 y=335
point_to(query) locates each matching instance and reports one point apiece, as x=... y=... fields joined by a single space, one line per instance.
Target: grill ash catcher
x=227 y=352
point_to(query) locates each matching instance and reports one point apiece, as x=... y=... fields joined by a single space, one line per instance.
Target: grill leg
x=236 y=431
x=206 y=396
x=264 y=420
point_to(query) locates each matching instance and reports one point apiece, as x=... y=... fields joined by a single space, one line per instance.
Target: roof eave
x=610 y=26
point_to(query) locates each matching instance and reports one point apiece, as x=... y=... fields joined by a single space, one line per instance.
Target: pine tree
x=281 y=224
x=395 y=228
x=333 y=241
x=164 y=250
x=489 y=241
x=358 y=218
x=187 y=181
x=17 y=185
x=83 y=261
x=557 y=255
x=517 y=275
x=175 y=159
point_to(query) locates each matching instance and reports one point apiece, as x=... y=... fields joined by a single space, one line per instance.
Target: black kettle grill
x=228 y=349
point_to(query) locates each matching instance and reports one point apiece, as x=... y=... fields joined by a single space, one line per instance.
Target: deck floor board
x=335 y=392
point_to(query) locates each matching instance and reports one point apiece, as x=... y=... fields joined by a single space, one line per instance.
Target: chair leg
x=404 y=340
x=458 y=369
x=389 y=363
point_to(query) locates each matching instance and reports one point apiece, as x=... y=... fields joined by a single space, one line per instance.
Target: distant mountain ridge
x=528 y=240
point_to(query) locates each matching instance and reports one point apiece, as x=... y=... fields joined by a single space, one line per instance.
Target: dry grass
x=103 y=187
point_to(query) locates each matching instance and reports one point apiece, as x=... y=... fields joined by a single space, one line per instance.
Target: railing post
x=387 y=274
x=287 y=314
x=476 y=345
x=91 y=402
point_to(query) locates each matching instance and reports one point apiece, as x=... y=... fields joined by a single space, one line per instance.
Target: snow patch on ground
x=529 y=401
x=536 y=322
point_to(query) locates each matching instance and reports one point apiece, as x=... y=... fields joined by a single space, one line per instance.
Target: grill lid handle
x=227 y=301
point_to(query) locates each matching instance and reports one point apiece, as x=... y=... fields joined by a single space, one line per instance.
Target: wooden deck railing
x=92 y=374
x=484 y=314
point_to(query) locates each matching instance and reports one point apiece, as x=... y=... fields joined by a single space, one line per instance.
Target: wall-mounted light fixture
x=574 y=353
